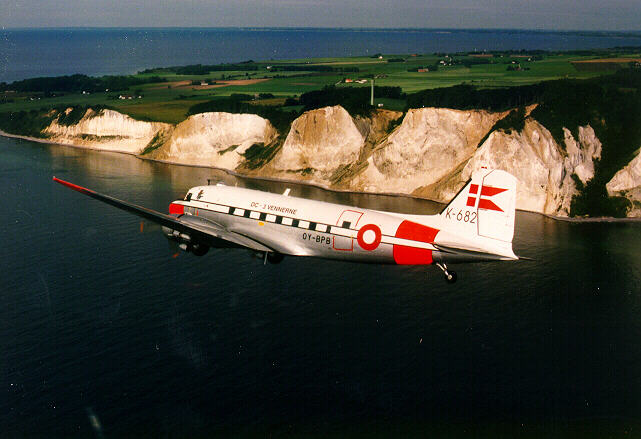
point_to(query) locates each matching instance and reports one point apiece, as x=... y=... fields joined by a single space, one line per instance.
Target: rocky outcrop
x=106 y=130
x=627 y=183
x=319 y=142
x=429 y=144
x=544 y=170
x=581 y=155
x=328 y=147
x=215 y=139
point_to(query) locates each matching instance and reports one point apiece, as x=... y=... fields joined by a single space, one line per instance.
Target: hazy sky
x=526 y=14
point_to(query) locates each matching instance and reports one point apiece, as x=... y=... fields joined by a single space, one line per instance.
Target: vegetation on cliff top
x=279 y=118
x=32 y=123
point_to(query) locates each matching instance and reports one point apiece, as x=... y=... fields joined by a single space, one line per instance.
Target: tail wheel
x=450 y=277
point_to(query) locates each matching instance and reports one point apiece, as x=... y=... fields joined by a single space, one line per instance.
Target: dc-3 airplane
x=477 y=225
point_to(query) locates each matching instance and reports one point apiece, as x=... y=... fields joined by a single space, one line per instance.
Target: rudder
x=485 y=206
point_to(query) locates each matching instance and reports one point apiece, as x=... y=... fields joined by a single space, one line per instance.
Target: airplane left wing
x=204 y=231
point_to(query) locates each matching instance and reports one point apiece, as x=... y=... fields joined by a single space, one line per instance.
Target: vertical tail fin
x=485 y=206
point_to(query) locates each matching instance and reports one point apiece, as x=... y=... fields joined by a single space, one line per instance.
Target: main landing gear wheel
x=199 y=249
x=450 y=276
x=275 y=258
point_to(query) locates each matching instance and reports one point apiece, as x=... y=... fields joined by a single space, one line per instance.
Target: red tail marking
x=489 y=191
x=486 y=191
x=489 y=205
x=405 y=255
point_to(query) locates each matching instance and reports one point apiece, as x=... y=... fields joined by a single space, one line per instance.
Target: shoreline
x=574 y=220
x=50 y=142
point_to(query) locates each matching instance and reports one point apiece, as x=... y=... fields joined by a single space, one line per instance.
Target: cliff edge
x=430 y=152
x=106 y=130
x=627 y=183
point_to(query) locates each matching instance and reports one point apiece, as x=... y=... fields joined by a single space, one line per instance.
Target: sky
x=513 y=14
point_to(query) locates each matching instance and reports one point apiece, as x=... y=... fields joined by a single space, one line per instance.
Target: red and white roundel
x=369 y=237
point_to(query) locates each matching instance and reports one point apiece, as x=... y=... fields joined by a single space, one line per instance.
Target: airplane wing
x=208 y=232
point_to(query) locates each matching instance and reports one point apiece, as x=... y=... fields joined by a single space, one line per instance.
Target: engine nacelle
x=185 y=242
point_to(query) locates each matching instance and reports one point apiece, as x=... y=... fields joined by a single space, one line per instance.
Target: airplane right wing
x=198 y=229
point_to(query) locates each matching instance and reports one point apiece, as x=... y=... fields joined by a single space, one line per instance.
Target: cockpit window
x=188 y=196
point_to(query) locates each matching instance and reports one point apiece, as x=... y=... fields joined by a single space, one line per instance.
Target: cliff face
x=627 y=183
x=544 y=170
x=428 y=145
x=215 y=139
x=107 y=130
x=320 y=141
x=432 y=153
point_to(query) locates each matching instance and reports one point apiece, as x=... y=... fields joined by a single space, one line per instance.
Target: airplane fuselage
x=302 y=227
x=476 y=225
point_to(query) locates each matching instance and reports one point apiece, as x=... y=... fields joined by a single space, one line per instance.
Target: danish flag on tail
x=484 y=201
x=488 y=203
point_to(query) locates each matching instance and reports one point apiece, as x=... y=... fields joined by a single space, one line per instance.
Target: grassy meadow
x=169 y=99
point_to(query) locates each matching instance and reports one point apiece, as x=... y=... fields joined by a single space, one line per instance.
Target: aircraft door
x=348 y=219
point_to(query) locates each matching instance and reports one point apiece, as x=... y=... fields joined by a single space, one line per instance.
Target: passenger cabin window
x=188 y=196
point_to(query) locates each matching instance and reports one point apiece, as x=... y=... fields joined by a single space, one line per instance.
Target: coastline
x=574 y=220
x=594 y=219
x=50 y=142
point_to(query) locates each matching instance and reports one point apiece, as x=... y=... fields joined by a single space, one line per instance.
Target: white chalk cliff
x=543 y=169
x=432 y=153
x=428 y=145
x=627 y=183
x=106 y=130
x=437 y=165
x=215 y=139
x=321 y=140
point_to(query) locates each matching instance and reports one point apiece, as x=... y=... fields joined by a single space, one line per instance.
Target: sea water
x=105 y=331
x=26 y=53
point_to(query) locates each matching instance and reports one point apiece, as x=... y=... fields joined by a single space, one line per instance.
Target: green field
x=170 y=100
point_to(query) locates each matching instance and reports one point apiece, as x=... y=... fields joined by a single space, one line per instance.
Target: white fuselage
x=301 y=227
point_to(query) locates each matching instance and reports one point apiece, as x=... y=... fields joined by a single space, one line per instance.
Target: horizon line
x=339 y=28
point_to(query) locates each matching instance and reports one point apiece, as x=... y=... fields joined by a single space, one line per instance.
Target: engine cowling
x=185 y=242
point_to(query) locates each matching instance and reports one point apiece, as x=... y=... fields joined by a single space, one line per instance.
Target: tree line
x=77 y=83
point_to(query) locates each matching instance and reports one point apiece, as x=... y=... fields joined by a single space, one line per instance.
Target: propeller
x=151 y=227
x=174 y=248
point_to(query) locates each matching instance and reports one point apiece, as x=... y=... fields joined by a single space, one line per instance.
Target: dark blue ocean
x=103 y=333
x=26 y=53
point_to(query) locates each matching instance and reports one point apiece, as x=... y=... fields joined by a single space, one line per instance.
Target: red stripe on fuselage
x=405 y=255
x=176 y=209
